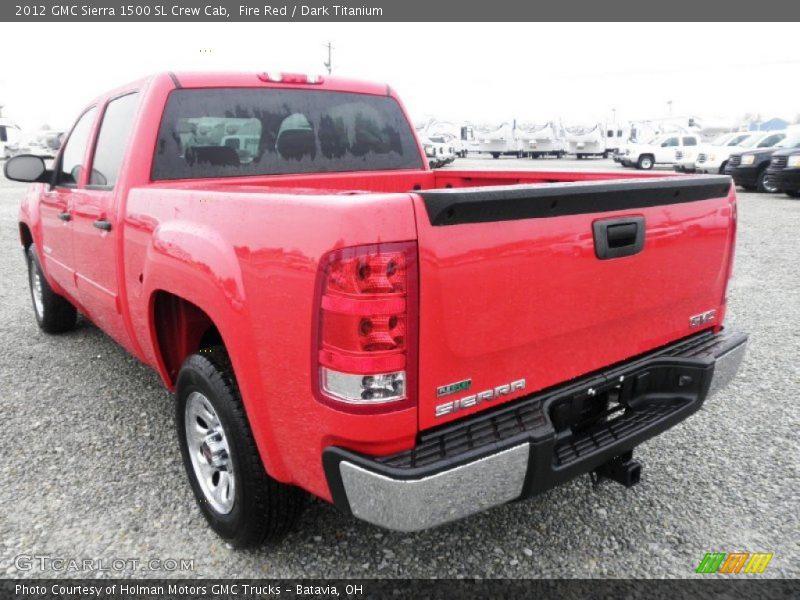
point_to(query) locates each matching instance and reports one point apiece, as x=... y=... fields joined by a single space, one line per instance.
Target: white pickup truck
x=719 y=148
x=713 y=158
x=662 y=150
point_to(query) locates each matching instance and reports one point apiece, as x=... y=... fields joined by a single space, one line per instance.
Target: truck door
x=95 y=220
x=57 y=203
x=666 y=152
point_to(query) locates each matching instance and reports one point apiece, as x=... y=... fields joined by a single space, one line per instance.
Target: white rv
x=585 y=142
x=458 y=136
x=498 y=141
x=542 y=140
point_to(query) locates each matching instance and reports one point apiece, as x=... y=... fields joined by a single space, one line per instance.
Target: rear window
x=230 y=132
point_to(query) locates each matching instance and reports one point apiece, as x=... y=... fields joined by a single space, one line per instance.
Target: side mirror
x=26 y=168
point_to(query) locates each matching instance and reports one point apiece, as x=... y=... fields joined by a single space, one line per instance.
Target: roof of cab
x=188 y=79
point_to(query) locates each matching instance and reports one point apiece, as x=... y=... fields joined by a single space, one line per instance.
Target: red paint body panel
x=497 y=301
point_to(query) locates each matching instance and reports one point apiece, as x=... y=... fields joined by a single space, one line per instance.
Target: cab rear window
x=229 y=132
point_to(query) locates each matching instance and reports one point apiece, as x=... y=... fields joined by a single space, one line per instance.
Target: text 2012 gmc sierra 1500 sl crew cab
x=334 y=317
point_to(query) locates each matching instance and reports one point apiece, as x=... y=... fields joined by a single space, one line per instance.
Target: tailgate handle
x=614 y=238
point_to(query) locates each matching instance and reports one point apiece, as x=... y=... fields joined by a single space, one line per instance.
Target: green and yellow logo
x=737 y=562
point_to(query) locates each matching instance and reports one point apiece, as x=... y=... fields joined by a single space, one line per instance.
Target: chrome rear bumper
x=419 y=489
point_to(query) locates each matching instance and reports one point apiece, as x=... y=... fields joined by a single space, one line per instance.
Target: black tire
x=263 y=508
x=792 y=193
x=54 y=313
x=495 y=155
x=645 y=162
x=764 y=185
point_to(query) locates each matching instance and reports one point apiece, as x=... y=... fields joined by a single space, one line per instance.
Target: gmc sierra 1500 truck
x=336 y=318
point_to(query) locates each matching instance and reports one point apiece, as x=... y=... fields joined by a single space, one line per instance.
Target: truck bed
x=512 y=286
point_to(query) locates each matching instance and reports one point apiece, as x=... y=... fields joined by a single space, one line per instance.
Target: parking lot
x=91 y=468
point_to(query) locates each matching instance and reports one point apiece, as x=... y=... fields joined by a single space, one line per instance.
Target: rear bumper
x=514 y=451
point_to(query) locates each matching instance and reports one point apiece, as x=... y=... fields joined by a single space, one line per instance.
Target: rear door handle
x=103 y=224
x=65 y=216
x=614 y=238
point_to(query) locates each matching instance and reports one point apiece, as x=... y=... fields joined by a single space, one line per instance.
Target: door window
x=113 y=140
x=669 y=143
x=72 y=158
x=690 y=141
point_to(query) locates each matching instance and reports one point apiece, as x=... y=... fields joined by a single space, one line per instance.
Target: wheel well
x=181 y=329
x=25 y=236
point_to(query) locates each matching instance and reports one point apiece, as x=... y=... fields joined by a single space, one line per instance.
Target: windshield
x=230 y=132
x=437 y=140
x=753 y=140
x=790 y=141
x=739 y=139
x=721 y=140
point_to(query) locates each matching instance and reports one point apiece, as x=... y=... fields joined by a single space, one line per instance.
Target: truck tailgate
x=545 y=283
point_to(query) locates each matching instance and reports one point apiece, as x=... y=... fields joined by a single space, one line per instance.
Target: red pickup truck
x=336 y=318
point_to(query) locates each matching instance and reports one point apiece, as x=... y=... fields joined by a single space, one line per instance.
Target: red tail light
x=366 y=310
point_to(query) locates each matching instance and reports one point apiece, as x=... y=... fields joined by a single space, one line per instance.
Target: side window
x=113 y=139
x=3 y=134
x=770 y=141
x=670 y=143
x=69 y=170
x=690 y=141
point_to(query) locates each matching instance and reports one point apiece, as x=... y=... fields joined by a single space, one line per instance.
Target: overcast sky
x=461 y=71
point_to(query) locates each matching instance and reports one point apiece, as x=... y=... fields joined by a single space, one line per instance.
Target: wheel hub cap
x=209 y=452
x=36 y=290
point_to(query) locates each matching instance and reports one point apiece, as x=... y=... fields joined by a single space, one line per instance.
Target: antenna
x=329 y=63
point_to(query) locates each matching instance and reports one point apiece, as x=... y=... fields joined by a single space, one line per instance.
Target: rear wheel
x=765 y=184
x=54 y=313
x=495 y=155
x=645 y=162
x=241 y=502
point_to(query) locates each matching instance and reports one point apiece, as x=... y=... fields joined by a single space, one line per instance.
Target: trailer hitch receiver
x=622 y=469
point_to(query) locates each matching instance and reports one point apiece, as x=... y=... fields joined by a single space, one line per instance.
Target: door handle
x=614 y=238
x=103 y=224
x=65 y=216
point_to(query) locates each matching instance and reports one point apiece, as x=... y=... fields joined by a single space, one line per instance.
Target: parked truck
x=9 y=134
x=663 y=150
x=335 y=318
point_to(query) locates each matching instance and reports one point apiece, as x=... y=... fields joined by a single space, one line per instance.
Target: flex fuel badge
x=452 y=388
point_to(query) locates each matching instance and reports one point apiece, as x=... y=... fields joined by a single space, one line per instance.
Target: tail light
x=366 y=328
